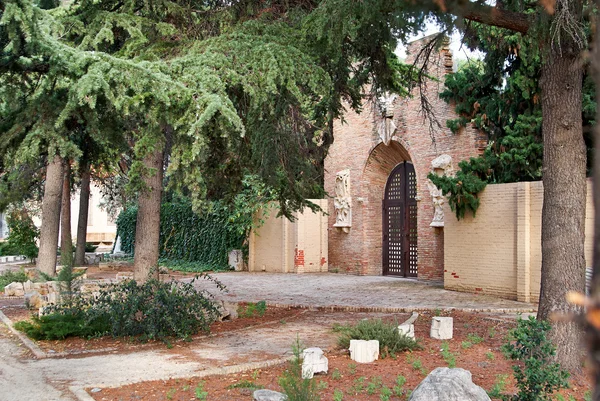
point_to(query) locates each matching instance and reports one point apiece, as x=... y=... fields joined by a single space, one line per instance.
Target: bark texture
x=51 y=205
x=66 y=239
x=147 y=229
x=593 y=332
x=563 y=213
x=82 y=219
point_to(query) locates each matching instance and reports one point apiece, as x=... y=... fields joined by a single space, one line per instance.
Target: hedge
x=187 y=240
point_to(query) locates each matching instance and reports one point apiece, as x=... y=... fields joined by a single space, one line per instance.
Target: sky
x=459 y=51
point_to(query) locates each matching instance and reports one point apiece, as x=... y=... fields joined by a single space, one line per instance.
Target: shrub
x=537 y=376
x=390 y=340
x=12 y=276
x=58 y=326
x=89 y=247
x=294 y=386
x=153 y=310
x=22 y=235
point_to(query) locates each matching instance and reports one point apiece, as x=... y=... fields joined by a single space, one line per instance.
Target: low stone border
x=386 y=309
x=37 y=351
x=82 y=395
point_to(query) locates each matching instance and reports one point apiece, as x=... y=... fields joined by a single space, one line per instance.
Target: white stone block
x=407 y=329
x=14 y=290
x=363 y=351
x=28 y=286
x=236 y=260
x=441 y=328
x=313 y=361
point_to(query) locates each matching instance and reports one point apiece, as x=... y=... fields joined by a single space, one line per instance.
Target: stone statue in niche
x=441 y=165
x=385 y=120
x=342 y=201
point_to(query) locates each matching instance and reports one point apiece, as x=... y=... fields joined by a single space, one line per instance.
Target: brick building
x=385 y=185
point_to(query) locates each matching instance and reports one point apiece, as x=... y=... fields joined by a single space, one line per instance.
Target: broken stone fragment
x=34 y=300
x=441 y=328
x=364 y=351
x=268 y=395
x=445 y=384
x=313 y=361
x=14 y=290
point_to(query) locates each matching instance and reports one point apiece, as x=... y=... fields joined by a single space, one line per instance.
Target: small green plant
x=437 y=312
x=322 y=385
x=418 y=365
x=338 y=395
x=293 y=385
x=255 y=374
x=448 y=356
x=492 y=332
x=251 y=385
x=373 y=385
x=352 y=368
x=398 y=388
x=359 y=385
x=489 y=356
x=536 y=375
x=170 y=393
x=253 y=309
x=186 y=387
x=587 y=396
x=385 y=394
x=466 y=345
x=390 y=340
x=474 y=339
x=199 y=391
x=499 y=386
x=336 y=375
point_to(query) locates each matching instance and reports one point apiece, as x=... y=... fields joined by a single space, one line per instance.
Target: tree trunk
x=593 y=332
x=82 y=220
x=66 y=239
x=147 y=229
x=51 y=206
x=563 y=213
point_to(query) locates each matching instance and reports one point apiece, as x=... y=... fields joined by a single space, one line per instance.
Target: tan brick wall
x=357 y=147
x=498 y=252
x=282 y=246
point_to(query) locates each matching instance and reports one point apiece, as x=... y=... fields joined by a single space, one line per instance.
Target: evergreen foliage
x=501 y=97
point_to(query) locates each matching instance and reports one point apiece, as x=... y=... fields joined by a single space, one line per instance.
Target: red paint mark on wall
x=299 y=257
x=323 y=261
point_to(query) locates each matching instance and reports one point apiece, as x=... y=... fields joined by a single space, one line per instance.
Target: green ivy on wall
x=188 y=240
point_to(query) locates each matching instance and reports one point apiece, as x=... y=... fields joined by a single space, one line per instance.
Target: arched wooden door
x=400 y=222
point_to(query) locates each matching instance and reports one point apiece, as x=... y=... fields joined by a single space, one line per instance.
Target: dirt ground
x=364 y=381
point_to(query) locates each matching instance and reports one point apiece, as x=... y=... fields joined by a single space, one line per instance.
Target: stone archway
x=381 y=162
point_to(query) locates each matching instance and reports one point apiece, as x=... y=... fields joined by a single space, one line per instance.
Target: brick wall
x=357 y=147
x=499 y=251
x=282 y=246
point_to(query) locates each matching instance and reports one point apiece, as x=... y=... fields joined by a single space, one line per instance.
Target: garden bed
x=364 y=381
x=15 y=310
